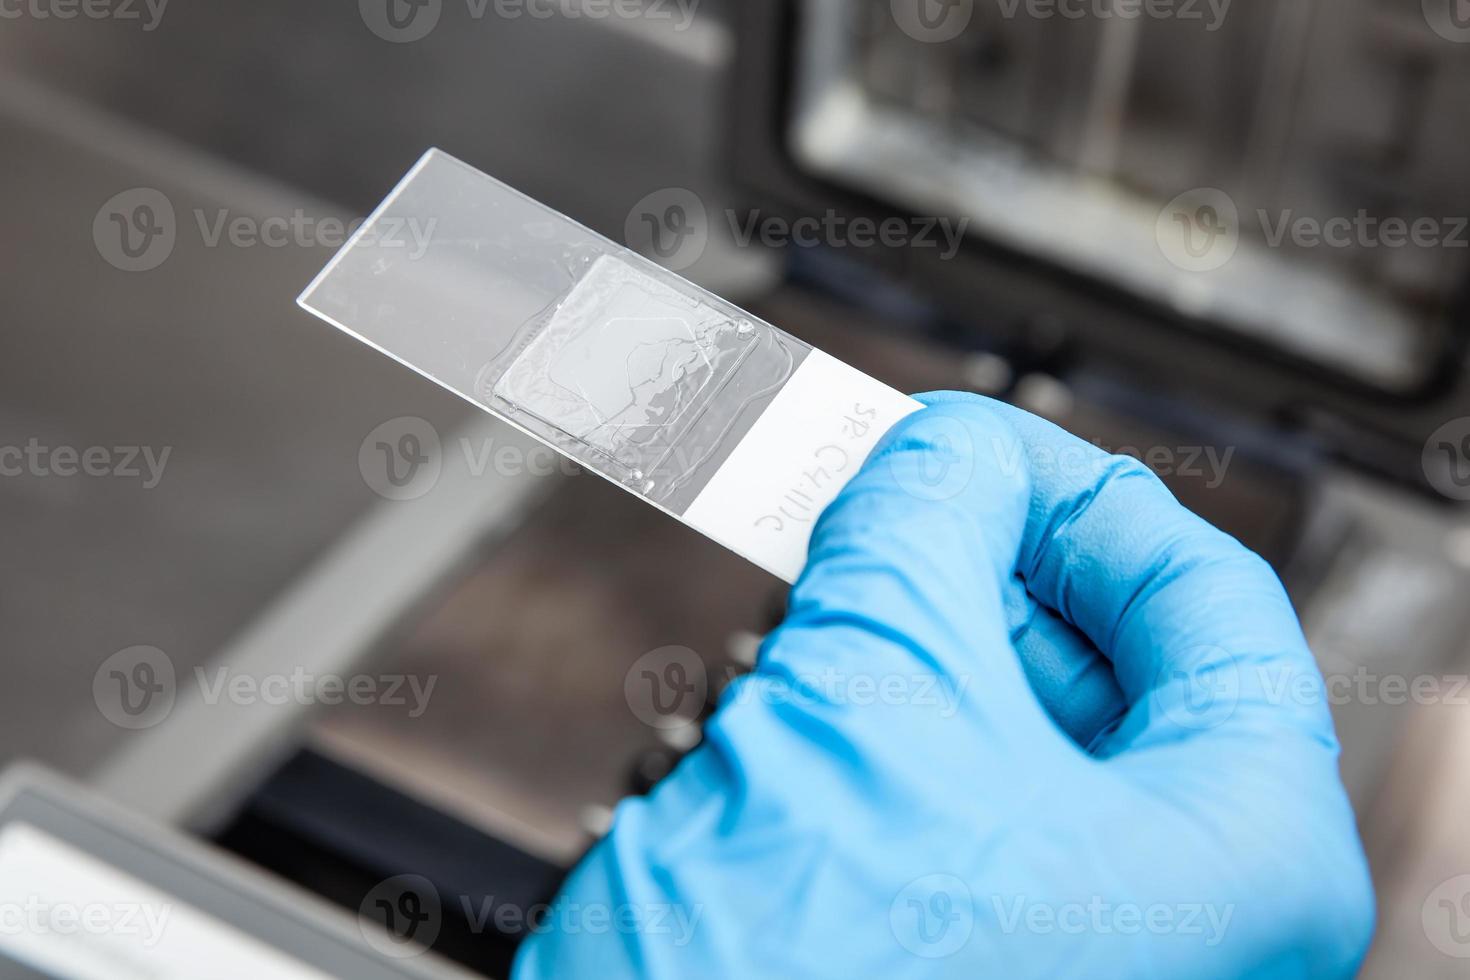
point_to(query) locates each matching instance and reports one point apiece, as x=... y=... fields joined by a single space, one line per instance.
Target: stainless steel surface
x=307 y=95
x=197 y=766
x=1075 y=137
x=261 y=409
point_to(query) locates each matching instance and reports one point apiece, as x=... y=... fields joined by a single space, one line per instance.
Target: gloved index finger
x=1199 y=629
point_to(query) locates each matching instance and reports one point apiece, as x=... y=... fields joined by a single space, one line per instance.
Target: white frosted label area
x=70 y=915
x=803 y=449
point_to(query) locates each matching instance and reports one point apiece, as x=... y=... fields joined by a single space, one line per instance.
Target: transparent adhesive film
x=627 y=368
x=738 y=429
x=638 y=374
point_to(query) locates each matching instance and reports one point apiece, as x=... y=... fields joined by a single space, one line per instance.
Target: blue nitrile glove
x=933 y=772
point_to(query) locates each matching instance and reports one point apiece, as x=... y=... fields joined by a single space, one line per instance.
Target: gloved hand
x=1090 y=742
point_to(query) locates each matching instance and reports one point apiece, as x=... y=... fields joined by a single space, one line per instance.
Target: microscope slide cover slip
x=710 y=414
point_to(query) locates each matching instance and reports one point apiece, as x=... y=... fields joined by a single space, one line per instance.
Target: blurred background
x=1228 y=238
